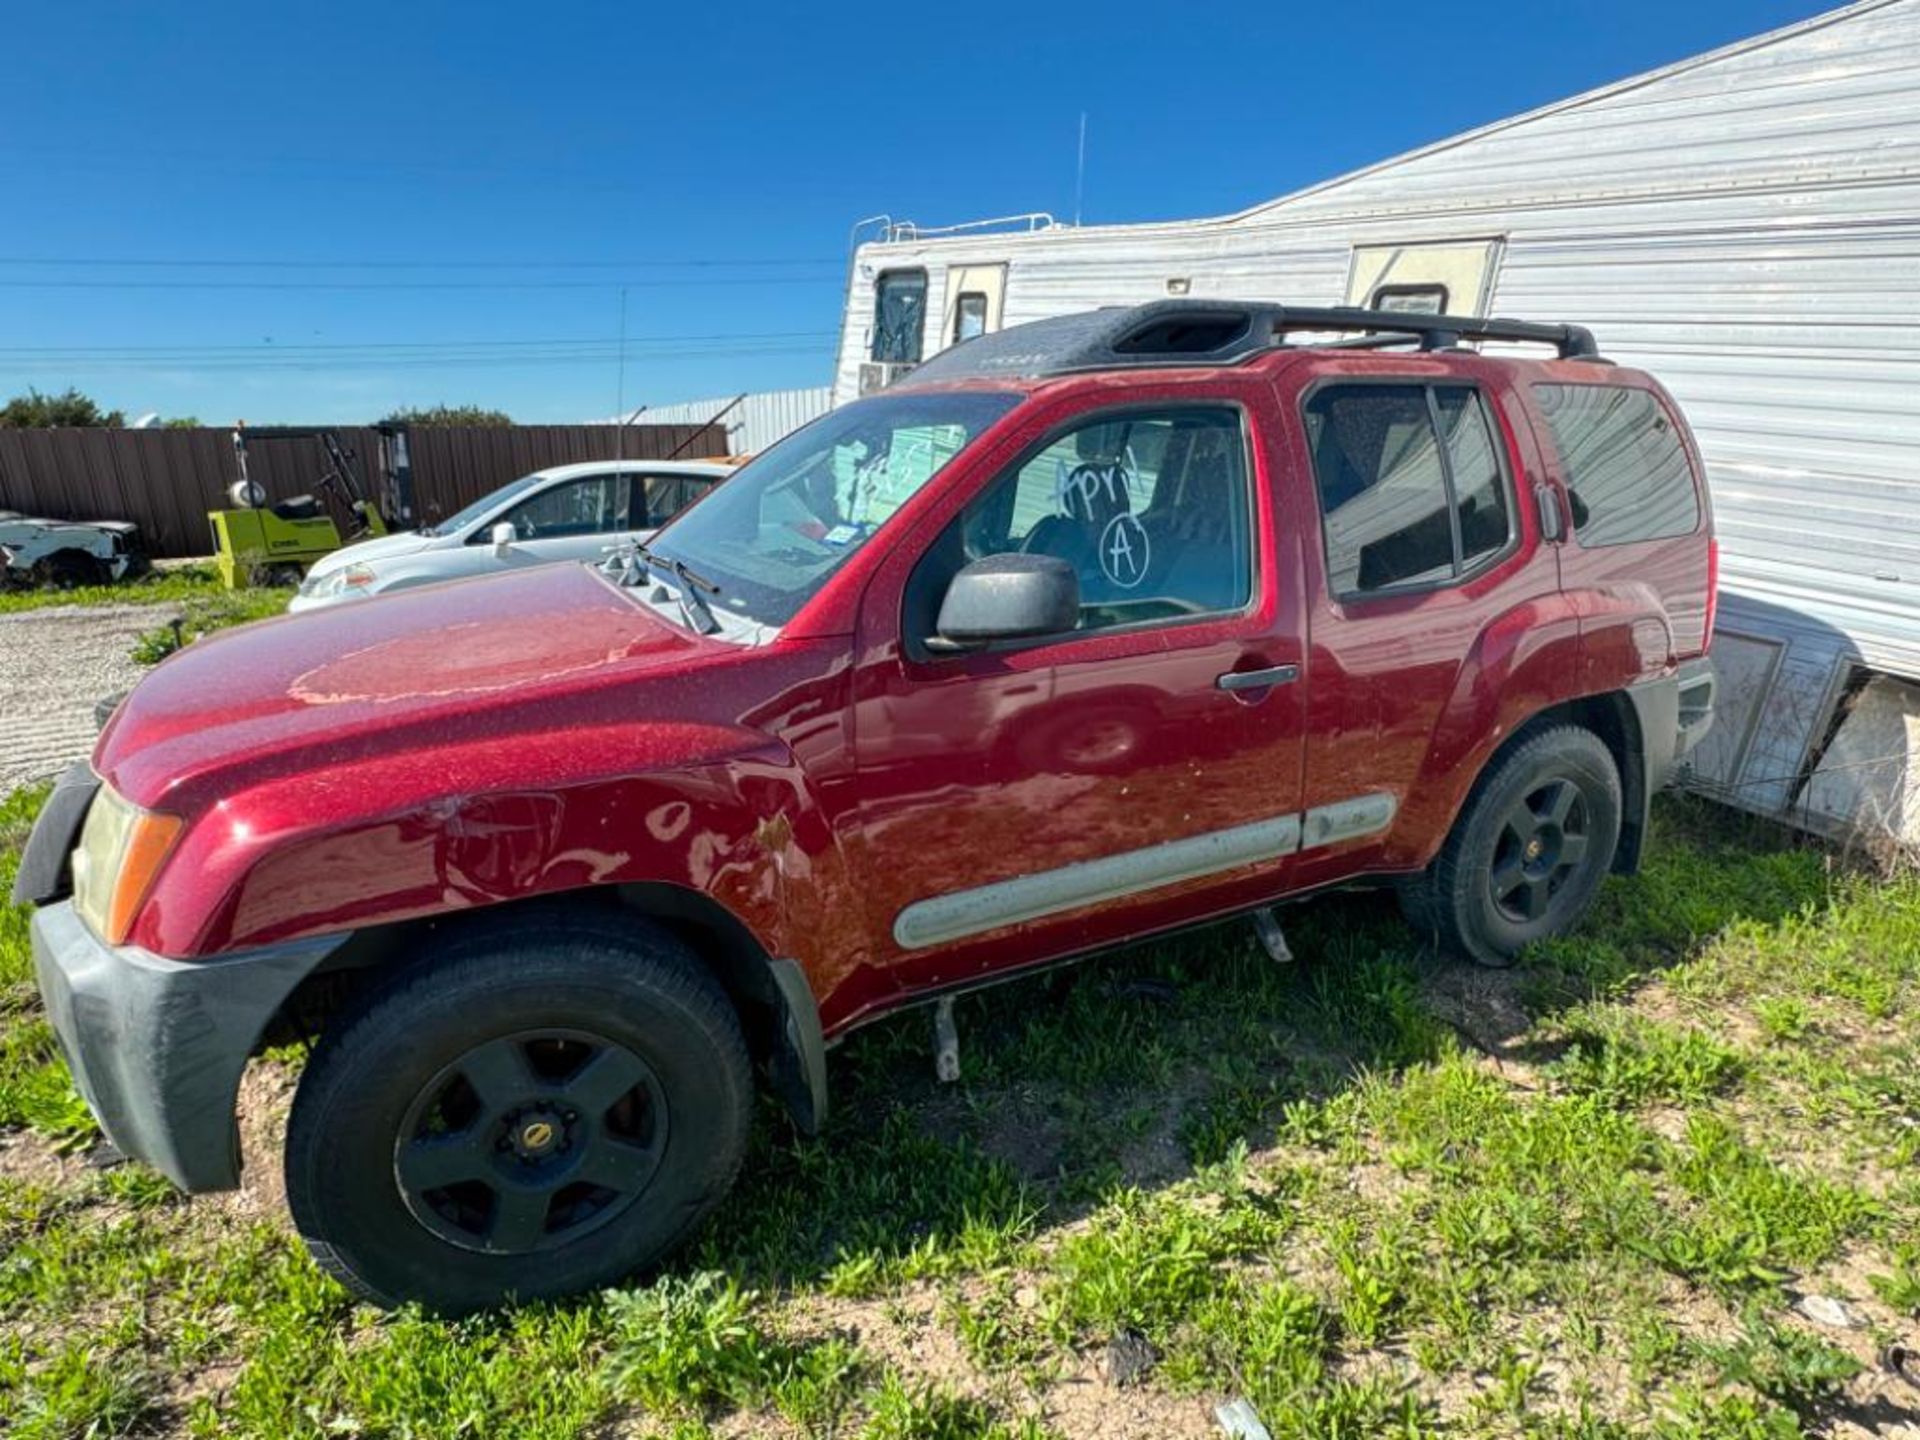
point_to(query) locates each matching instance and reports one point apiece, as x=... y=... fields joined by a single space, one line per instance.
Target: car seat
x=1097 y=489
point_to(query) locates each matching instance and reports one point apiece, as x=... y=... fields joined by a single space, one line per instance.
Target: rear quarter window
x=1626 y=470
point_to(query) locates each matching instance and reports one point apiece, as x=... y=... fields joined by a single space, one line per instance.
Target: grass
x=1375 y=1193
x=169 y=586
x=202 y=614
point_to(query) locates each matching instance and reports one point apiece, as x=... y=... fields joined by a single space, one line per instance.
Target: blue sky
x=441 y=203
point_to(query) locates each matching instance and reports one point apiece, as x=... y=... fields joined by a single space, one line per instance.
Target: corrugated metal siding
x=755 y=423
x=1746 y=225
x=166 y=481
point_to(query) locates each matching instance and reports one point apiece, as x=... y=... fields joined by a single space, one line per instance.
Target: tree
x=181 y=422
x=447 y=415
x=34 y=411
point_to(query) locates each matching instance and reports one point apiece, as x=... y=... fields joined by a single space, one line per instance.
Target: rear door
x=661 y=497
x=1432 y=587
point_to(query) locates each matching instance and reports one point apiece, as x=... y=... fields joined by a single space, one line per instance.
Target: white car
x=568 y=512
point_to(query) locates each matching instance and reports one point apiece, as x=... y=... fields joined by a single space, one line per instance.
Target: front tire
x=1529 y=852
x=535 y=1110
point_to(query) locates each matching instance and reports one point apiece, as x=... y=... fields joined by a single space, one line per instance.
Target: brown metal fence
x=165 y=481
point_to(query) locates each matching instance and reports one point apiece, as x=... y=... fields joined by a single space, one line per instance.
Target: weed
x=202 y=614
x=158 y=587
x=689 y=1343
x=899 y=1410
x=1900 y=1287
x=77 y=1393
x=1787 y=1364
x=1627 y=1061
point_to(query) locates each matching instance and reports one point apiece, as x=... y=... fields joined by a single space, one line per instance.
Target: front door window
x=596 y=505
x=1151 y=509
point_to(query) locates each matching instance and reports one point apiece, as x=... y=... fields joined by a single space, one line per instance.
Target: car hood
x=471 y=661
x=366 y=552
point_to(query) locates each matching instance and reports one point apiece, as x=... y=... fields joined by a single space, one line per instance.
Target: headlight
x=120 y=853
x=338 y=582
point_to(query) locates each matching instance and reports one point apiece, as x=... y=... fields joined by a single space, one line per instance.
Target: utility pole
x=1080 y=170
x=620 y=385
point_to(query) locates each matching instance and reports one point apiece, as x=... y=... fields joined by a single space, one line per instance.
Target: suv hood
x=473 y=660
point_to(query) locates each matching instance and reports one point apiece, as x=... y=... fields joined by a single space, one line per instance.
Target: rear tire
x=1528 y=854
x=540 y=1108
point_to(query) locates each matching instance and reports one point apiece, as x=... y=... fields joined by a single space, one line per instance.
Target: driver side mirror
x=503 y=537
x=1007 y=597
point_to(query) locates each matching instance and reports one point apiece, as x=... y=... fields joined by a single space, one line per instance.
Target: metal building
x=750 y=422
x=1745 y=224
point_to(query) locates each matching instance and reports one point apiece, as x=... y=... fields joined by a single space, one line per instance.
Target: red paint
x=453 y=747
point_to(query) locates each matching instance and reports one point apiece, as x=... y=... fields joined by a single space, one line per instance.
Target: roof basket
x=1218 y=332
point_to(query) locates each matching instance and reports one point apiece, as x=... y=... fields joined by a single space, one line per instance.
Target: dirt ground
x=54 y=665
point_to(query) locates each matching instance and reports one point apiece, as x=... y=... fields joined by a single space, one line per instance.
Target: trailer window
x=1412 y=490
x=1626 y=470
x=1411 y=299
x=969 y=316
x=899 y=316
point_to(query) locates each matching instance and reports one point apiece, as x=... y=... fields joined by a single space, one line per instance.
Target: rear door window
x=668 y=495
x=1412 y=488
x=1626 y=470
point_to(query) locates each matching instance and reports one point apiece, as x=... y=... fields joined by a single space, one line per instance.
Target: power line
x=270 y=347
x=210 y=365
x=837 y=262
x=676 y=284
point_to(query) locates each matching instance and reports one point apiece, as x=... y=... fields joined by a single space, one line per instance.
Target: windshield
x=771 y=535
x=461 y=519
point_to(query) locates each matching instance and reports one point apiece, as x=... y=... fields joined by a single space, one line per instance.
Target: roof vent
x=1193 y=333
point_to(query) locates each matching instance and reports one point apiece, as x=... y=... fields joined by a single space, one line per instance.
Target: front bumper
x=157 y=1046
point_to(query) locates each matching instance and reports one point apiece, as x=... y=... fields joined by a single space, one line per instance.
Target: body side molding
x=940 y=919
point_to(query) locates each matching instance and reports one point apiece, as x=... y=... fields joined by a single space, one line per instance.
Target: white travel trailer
x=1745 y=224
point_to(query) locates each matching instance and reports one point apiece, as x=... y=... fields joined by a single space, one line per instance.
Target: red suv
x=1092 y=629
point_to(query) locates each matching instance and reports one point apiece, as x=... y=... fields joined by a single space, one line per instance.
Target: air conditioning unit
x=876 y=375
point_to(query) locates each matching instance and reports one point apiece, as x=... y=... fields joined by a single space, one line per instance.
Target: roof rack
x=1217 y=332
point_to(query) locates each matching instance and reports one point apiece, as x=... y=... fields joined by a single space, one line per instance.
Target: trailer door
x=1450 y=277
x=976 y=295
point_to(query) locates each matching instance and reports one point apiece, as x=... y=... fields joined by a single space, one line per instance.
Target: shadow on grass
x=1139 y=1068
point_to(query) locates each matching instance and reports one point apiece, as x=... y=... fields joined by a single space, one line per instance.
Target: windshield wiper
x=693 y=602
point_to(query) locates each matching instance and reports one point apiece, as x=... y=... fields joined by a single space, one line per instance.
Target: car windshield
x=771 y=534
x=492 y=500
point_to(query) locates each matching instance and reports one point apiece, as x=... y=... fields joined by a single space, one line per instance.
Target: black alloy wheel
x=1542 y=844
x=528 y=1106
x=531 y=1140
x=1529 y=850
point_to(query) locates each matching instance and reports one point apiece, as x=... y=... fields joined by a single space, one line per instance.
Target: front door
x=573 y=520
x=1057 y=795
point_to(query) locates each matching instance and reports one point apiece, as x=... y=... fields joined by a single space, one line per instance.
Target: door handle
x=1258 y=679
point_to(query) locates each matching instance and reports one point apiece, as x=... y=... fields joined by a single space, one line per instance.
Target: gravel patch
x=55 y=664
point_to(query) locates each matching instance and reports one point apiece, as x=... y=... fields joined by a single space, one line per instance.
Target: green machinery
x=257 y=542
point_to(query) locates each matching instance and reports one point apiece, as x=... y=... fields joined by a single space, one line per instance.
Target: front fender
x=740 y=826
